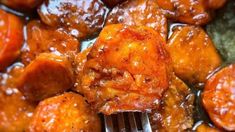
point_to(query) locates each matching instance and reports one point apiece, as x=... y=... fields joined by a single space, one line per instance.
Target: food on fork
x=127 y=69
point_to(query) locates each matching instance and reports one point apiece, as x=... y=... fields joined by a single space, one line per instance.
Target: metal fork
x=126 y=122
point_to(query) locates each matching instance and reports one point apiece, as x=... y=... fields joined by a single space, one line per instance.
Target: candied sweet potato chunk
x=11 y=38
x=193 y=54
x=176 y=110
x=218 y=98
x=15 y=111
x=44 y=39
x=126 y=69
x=186 y=11
x=82 y=18
x=46 y=76
x=67 y=112
x=21 y=4
x=139 y=13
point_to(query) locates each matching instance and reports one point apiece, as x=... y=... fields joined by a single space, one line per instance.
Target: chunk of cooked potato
x=46 y=76
x=11 y=38
x=193 y=54
x=176 y=110
x=127 y=69
x=44 y=39
x=218 y=98
x=15 y=111
x=186 y=11
x=139 y=13
x=82 y=18
x=23 y=5
x=67 y=112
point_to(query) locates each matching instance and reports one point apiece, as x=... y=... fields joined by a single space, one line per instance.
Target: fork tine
x=121 y=122
x=108 y=123
x=145 y=122
x=132 y=122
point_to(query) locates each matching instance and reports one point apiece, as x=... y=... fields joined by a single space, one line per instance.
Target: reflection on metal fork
x=125 y=122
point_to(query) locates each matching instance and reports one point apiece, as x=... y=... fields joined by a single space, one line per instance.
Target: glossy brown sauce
x=199 y=113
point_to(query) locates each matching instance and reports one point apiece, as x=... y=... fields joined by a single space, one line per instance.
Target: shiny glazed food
x=66 y=112
x=193 y=54
x=44 y=39
x=126 y=82
x=11 y=38
x=139 y=13
x=46 y=76
x=58 y=72
x=82 y=18
x=219 y=98
x=15 y=111
x=176 y=111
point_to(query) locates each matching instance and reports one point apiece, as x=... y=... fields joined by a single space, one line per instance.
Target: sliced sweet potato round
x=67 y=112
x=193 y=54
x=11 y=38
x=46 y=76
x=15 y=110
x=139 y=13
x=218 y=98
x=44 y=39
x=186 y=11
x=81 y=18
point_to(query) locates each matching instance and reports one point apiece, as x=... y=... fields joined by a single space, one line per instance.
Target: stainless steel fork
x=127 y=122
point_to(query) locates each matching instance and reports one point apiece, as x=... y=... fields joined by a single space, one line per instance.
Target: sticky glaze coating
x=82 y=18
x=44 y=39
x=80 y=61
x=67 y=112
x=112 y=3
x=46 y=76
x=11 y=38
x=218 y=98
x=22 y=4
x=126 y=69
x=15 y=111
x=186 y=11
x=193 y=54
x=176 y=111
x=139 y=13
